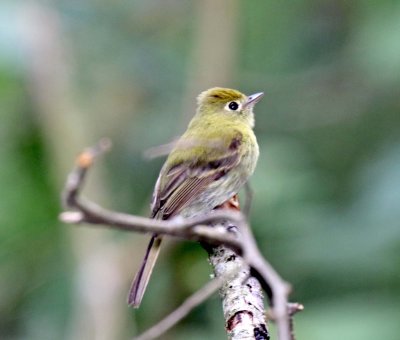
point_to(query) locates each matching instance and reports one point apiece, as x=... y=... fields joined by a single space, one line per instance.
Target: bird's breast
x=229 y=184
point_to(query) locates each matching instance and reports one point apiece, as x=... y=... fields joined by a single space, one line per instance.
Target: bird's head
x=233 y=104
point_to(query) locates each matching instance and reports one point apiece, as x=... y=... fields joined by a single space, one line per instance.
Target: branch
x=178 y=314
x=241 y=294
x=195 y=229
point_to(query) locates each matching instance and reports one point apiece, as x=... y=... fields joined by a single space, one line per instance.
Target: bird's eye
x=233 y=106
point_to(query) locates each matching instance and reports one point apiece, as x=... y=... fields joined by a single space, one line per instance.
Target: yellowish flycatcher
x=208 y=165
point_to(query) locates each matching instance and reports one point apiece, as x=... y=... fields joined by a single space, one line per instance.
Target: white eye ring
x=233 y=106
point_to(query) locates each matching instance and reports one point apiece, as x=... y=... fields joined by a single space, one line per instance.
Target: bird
x=208 y=165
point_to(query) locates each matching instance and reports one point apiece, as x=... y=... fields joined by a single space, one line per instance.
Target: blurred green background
x=326 y=206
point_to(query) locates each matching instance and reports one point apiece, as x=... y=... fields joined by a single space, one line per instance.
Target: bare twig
x=293 y=308
x=187 y=143
x=184 y=309
x=160 y=150
x=191 y=229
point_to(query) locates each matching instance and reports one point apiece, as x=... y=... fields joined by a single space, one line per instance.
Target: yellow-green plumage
x=210 y=163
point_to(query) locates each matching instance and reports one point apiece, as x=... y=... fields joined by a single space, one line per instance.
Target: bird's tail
x=142 y=277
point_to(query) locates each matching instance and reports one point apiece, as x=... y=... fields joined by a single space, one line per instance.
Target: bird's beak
x=253 y=99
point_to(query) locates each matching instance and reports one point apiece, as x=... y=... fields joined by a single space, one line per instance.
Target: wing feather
x=184 y=182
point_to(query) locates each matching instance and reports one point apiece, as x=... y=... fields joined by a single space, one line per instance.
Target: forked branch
x=80 y=210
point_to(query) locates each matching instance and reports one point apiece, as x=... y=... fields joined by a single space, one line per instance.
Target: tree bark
x=242 y=295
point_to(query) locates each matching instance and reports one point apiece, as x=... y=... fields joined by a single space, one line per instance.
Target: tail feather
x=142 y=277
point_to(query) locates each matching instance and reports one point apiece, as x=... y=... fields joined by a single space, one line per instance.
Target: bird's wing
x=185 y=181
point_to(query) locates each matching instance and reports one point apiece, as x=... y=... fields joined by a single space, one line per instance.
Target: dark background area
x=326 y=205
